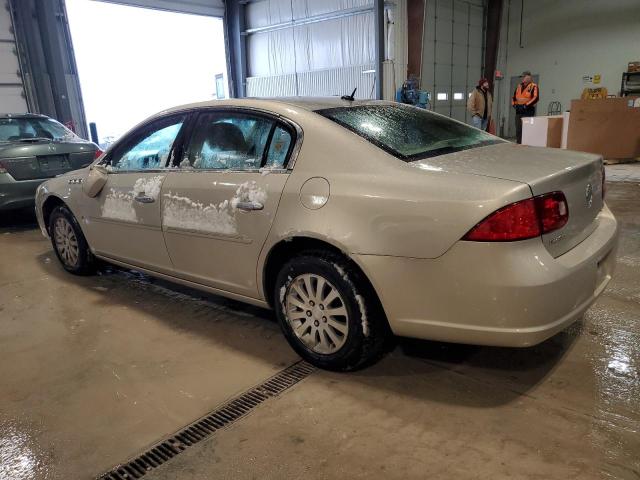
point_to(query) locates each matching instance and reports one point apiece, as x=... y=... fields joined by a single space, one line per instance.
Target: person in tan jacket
x=479 y=105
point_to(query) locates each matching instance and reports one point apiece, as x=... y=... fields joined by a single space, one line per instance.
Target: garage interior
x=124 y=376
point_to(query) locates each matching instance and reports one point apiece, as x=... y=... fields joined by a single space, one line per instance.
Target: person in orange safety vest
x=524 y=101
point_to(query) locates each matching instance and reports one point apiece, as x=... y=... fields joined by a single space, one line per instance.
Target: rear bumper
x=16 y=194
x=503 y=294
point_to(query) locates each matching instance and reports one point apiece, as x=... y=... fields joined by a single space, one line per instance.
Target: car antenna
x=351 y=97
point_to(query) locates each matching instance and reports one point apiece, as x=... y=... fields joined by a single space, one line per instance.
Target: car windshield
x=409 y=133
x=29 y=129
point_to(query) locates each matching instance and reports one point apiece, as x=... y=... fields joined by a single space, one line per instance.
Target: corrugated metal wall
x=302 y=47
x=12 y=96
x=335 y=81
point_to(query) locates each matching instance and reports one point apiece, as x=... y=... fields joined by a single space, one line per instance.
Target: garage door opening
x=134 y=62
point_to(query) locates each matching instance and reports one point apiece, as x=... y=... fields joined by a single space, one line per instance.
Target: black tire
x=83 y=262
x=368 y=331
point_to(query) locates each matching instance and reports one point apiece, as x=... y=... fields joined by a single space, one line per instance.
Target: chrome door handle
x=144 y=199
x=249 y=206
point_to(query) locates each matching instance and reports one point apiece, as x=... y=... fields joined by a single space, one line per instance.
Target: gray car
x=32 y=149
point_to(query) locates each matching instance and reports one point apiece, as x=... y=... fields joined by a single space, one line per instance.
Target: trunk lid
x=577 y=175
x=44 y=159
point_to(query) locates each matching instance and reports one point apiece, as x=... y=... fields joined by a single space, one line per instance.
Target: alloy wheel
x=66 y=242
x=317 y=313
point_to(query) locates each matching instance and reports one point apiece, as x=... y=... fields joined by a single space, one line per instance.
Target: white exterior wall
x=562 y=42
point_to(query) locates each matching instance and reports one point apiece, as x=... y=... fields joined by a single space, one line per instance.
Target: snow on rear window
x=409 y=133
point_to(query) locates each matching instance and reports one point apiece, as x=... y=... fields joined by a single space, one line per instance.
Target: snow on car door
x=123 y=221
x=219 y=205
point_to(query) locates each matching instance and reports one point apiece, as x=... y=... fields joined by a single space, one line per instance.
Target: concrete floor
x=95 y=369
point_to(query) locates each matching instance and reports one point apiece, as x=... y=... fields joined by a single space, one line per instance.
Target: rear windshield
x=17 y=129
x=407 y=132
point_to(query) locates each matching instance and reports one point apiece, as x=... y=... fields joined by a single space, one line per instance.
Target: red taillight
x=524 y=219
x=513 y=222
x=97 y=154
x=553 y=211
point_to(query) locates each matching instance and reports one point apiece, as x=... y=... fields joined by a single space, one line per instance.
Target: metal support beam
x=379 y=20
x=47 y=61
x=492 y=39
x=235 y=38
x=32 y=63
x=415 y=43
x=48 y=19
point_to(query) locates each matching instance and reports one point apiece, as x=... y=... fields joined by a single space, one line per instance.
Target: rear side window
x=278 y=148
x=228 y=140
x=237 y=140
x=408 y=133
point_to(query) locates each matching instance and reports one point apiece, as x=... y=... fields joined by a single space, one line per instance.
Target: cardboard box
x=609 y=126
x=542 y=131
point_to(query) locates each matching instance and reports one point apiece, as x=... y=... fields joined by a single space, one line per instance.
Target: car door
x=219 y=205
x=123 y=222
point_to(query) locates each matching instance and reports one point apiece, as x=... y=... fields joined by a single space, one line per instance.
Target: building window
x=220 y=86
x=458 y=96
x=442 y=96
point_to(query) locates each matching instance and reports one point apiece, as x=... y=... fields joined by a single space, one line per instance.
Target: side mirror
x=95 y=180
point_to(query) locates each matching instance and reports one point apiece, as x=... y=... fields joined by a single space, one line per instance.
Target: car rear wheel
x=69 y=242
x=327 y=314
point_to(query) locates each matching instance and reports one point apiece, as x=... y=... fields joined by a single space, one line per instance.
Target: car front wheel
x=328 y=314
x=69 y=242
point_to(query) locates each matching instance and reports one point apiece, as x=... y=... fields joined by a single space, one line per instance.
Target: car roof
x=321 y=103
x=305 y=103
x=22 y=115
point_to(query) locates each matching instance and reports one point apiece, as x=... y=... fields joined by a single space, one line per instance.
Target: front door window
x=150 y=148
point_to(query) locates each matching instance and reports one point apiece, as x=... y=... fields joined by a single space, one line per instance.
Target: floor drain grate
x=165 y=450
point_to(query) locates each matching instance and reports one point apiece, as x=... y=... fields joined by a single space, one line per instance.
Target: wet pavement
x=624 y=172
x=92 y=369
x=95 y=369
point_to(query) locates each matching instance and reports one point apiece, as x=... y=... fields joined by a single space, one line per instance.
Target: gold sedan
x=353 y=220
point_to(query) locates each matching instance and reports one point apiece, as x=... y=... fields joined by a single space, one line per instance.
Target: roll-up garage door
x=12 y=97
x=213 y=8
x=454 y=53
x=307 y=47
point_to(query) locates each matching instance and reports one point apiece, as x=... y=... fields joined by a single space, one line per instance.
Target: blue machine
x=410 y=94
